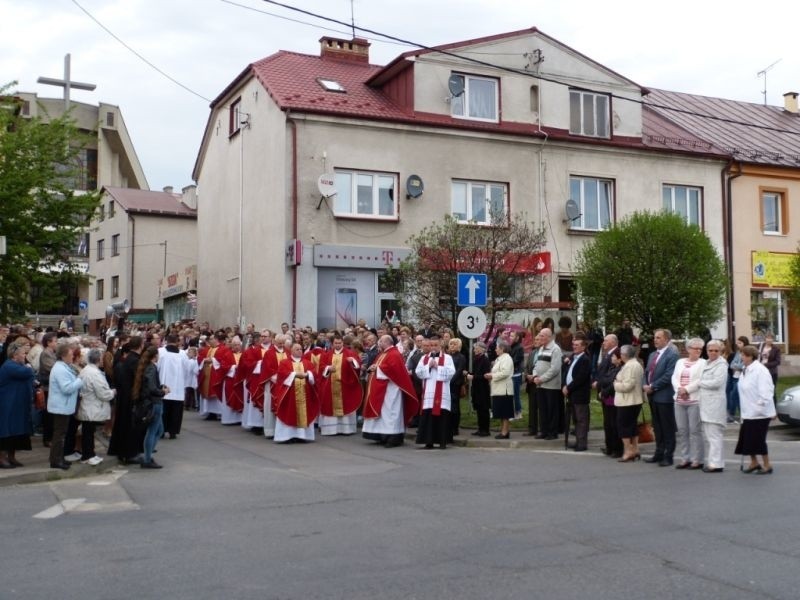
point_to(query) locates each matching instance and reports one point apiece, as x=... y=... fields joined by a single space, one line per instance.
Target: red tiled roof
x=751 y=133
x=150 y=202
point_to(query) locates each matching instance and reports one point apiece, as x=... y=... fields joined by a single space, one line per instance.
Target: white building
x=540 y=126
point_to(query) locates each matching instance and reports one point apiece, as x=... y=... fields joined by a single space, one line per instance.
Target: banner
x=771 y=269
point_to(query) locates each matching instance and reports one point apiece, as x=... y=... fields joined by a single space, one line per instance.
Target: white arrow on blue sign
x=472 y=289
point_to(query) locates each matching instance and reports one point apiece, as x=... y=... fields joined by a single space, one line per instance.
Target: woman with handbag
x=628 y=398
x=758 y=409
x=95 y=405
x=149 y=393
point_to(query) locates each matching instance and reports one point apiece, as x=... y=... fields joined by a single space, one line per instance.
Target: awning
x=141 y=317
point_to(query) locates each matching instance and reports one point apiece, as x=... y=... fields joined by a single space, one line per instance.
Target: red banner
x=515 y=262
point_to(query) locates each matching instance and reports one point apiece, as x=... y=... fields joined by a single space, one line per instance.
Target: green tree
x=442 y=250
x=41 y=215
x=655 y=270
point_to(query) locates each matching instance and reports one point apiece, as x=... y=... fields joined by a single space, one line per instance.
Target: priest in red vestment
x=250 y=370
x=233 y=401
x=295 y=398
x=280 y=350
x=391 y=401
x=340 y=392
x=215 y=360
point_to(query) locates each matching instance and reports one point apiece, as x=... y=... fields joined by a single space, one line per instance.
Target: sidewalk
x=37 y=465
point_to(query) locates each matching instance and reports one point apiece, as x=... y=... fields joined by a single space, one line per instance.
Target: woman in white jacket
x=756 y=390
x=502 y=388
x=95 y=405
x=686 y=383
x=713 y=406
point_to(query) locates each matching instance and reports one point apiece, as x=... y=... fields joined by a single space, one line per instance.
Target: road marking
x=60 y=508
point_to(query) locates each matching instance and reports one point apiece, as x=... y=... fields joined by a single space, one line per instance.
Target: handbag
x=39 y=400
x=144 y=413
x=645 y=431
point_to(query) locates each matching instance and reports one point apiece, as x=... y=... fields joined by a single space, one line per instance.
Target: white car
x=789 y=406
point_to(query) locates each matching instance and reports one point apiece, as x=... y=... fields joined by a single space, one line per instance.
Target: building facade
x=310 y=169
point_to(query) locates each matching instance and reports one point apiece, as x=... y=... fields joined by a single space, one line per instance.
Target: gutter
x=293 y=124
x=727 y=207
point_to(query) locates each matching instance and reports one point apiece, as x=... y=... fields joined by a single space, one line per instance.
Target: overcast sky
x=711 y=48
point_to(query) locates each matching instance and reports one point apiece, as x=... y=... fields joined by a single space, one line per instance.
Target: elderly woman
x=147 y=390
x=713 y=405
x=16 y=396
x=95 y=406
x=480 y=387
x=62 y=401
x=757 y=409
x=628 y=399
x=502 y=388
x=686 y=383
x=456 y=383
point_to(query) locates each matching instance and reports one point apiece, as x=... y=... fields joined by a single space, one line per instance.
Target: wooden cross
x=66 y=83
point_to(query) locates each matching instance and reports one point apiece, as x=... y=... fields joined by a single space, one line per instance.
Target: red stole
x=437 y=393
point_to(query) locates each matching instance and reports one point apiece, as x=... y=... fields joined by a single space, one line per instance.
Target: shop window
x=767 y=314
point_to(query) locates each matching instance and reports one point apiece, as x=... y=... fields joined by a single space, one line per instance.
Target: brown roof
x=751 y=133
x=150 y=202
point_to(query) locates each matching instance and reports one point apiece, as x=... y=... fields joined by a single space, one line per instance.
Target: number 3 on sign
x=471 y=322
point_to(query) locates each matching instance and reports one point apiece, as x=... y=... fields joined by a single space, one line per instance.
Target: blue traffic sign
x=83 y=305
x=472 y=288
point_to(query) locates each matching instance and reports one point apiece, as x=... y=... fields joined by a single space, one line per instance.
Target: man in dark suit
x=604 y=384
x=578 y=390
x=661 y=396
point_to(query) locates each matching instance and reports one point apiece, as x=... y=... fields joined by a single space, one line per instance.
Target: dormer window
x=589 y=114
x=478 y=101
x=331 y=85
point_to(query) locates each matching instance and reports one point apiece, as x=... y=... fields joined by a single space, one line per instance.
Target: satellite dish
x=414 y=186
x=326 y=184
x=456 y=85
x=573 y=210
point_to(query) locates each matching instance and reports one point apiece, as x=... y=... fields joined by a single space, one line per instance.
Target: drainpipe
x=727 y=233
x=132 y=244
x=294 y=212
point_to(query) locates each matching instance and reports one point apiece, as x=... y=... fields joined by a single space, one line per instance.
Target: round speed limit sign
x=471 y=322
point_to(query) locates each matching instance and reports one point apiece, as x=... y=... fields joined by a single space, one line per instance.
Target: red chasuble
x=269 y=367
x=234 y=387
x=339 y=393
x=394 y=367
x=296 y=404
x=209 y=379
x=250 y=358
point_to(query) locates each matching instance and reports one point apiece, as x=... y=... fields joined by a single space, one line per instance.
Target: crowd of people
x=291 y=384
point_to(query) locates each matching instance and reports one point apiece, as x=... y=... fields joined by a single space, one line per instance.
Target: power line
x=525 y=73
x=139 y=56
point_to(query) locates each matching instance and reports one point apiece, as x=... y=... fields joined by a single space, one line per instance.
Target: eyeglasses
x=713 y=350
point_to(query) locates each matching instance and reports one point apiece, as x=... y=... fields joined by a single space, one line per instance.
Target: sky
x=709 y=48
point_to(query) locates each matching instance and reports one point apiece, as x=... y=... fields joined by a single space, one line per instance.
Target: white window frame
x=470 y=187
x=463 y=100
x=346 y=203
x=778 y=199
x=583 y=130
x=669 y=200
x=579 y=224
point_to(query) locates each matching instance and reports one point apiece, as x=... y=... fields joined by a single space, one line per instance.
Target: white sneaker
x=75 y=456
x=93 y=462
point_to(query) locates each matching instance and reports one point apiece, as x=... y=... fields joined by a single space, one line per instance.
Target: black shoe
x=541 y=436
x=150 y=465
x=476 y=433
x=172 y=436
x=500 y=436
x=665 y=462
x=4 y=464
x=484 y=434
x=62 y=465
x=716 y=470
x=654 y=459
x=581 y=449
x=210 y=417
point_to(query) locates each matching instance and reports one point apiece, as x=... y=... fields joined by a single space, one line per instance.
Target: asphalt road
x=234 y=516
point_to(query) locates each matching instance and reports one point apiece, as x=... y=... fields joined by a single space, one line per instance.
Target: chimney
x=189 y=196
x=168 y=189
x=790 y=102
x=355 y=50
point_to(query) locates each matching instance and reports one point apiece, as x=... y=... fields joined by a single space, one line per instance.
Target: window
x=595 y=201
x=363 y=194
x=234 y=119
x=479 y=203
x=115 y=245
x=767 y=314
x=588 y=114
x=683 y=201
x=98 y=286
x=101 y=248
x=101 y=212
x=110 y=208
x=82 y=247
x=109 y=119
x=115 y=286
x=773 y=212
x=478 y=101
x=331 y=85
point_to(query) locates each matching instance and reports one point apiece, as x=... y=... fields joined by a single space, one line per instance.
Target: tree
x=41 y=215
x=655 y=270
x=507 y=254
